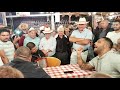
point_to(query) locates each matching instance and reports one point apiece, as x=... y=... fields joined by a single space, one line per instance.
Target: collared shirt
x=36 y=41
x=113 y=36
x=109 y=63
x=48 y=44
x=8 y=48
x=86 y=34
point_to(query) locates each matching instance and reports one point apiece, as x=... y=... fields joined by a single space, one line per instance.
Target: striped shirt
x=8 y=48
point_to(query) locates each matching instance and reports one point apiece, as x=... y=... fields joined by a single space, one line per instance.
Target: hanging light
x=94 y=13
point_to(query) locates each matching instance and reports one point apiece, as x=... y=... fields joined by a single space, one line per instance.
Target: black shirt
x=28 y=69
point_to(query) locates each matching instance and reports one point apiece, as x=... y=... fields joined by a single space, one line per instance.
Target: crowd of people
x=97 y=49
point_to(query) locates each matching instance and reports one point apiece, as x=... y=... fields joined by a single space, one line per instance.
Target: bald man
x=23 y=63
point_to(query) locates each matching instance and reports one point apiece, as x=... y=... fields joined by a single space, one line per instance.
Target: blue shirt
x=36 y=41
x=86 y=34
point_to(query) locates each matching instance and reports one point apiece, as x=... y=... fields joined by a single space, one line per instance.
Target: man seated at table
x=23 y=63
x=106 y=61
x=36 y=53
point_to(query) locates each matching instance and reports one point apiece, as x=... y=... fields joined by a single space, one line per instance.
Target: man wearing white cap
x=48 y=43
x=32 y=37
x=80 y=38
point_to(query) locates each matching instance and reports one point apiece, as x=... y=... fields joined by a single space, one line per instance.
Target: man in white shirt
x=48 y=43
x=6 y=47
x=115 y=35
x=106 y=61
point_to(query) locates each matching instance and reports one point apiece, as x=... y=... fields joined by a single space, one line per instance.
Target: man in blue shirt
x=80 y=38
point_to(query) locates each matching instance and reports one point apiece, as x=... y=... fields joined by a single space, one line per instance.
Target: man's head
x=116 y=25
x=32 y=32
x=82 y=24
x=104 y=24
x=24 y=53
x=60 y=30
x=32 y=47
x=4 y=35
x=103 y=44
x=10 y=72
x=47 y=32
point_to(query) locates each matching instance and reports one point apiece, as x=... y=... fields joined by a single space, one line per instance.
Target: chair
x=52 y=61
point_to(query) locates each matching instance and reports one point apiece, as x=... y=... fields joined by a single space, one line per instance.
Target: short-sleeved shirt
x=109 y=63
x=86 y=34
x=113 y=36
x=8 y=48
x=36 y=41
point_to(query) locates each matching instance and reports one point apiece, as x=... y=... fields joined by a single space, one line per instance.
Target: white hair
x=60 y=28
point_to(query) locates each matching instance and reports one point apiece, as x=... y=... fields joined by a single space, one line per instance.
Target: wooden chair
x=52 y=61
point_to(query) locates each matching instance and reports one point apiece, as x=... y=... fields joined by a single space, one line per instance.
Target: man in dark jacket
x=102 y=30
x=23 y=63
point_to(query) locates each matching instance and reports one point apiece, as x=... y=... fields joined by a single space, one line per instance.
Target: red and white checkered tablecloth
x=58 y=71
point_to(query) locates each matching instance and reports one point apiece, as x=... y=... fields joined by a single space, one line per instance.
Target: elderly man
x=23 y=63
x=62 y=46
x=106 y=61
x=80 y=37
x=102 y=31
x=6 y=46
x=48 y=43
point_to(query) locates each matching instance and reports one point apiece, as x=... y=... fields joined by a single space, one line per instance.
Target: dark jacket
x=28 y=69
x=98 y=31
x=62 y=50
x=37 y=55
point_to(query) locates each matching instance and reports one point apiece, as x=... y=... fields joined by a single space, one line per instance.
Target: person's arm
x=15 y=41
x=53 y=46
x=81 y=63
x=3 y=57
x=83 y=42
x=74 y=39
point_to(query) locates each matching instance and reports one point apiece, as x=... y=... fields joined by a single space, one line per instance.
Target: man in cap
x=32 y=37
x=48 y=43
x=80 y=38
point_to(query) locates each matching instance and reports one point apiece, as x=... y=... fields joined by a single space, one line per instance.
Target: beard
x=98 y=50
x=5 y=40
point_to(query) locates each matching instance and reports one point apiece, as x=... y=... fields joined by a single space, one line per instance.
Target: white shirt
x=8 y=48
x=109 y=63
x=113 y=36
x=48 y=44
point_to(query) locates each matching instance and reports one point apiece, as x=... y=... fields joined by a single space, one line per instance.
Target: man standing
x=80 y=38
x=6 y=47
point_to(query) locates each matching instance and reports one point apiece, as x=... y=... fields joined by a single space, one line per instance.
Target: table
x=58 y=71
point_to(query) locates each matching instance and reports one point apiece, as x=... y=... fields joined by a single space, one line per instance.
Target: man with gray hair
x=23 y=63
